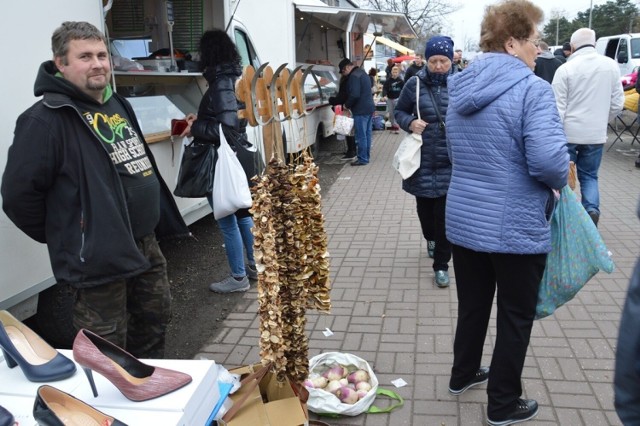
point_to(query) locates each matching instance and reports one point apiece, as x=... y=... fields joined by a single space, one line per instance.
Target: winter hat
x=439 y=45
x=566 y=46
x=343 y=64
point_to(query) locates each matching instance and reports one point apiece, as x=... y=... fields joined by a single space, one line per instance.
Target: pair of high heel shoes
x=22 y=347
x=137 y=381
x=56 y=408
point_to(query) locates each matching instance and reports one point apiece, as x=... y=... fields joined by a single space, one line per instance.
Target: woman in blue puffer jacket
x=508 y=151
x=430 y=182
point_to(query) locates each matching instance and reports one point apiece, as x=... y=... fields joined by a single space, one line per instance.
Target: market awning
x=359 y=20
x=397 y=46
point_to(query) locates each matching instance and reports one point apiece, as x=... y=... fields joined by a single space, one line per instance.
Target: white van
x=622 y=48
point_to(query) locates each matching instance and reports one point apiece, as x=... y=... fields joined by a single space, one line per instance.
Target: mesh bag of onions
x=340 y=383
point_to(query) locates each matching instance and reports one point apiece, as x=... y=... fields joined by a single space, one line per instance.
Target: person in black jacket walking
x=81 y=178
x=220 y=61
x=429 y=184
x=391 y=91
x=546 y=63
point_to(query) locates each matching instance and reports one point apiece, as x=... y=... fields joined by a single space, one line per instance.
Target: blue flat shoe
x=22 y=347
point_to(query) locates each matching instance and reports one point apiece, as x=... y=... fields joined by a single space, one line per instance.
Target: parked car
x=629 y=80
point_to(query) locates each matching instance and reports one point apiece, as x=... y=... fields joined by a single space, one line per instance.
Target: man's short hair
x=71 y=30
x=543 y=46
x=583 y=37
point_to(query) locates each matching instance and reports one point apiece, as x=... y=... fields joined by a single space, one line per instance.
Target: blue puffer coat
x=508 y=150
x=431 y=180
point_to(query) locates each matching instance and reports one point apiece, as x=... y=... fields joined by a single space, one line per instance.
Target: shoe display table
x=190 y=405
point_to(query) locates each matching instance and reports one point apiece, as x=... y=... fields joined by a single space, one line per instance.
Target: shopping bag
x=230 y=187
x=195 y=177
x=406 y=160
x=325 y=403
x=577 y=254
x=247 y=153
x=343 y=124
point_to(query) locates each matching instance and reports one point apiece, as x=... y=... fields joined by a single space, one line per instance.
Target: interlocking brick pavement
x=387 y=310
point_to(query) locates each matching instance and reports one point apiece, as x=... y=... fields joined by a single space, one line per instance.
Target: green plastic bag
x=577 y=254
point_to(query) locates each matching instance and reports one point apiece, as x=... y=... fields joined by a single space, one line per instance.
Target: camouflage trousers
x=132 y=313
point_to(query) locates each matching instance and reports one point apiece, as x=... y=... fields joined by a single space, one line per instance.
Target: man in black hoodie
x=81 y=178
x=417 y=65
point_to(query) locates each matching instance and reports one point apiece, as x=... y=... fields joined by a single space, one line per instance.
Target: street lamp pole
x=590 y=12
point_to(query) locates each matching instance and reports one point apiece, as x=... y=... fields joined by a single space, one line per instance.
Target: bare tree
x=425 y=16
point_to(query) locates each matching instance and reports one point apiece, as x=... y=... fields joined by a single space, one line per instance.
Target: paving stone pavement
x=386 y=309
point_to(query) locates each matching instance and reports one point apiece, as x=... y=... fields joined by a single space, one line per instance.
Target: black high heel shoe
x=38 y=361
x=55 y=408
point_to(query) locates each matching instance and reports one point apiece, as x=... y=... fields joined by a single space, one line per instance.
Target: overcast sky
x=465 y=23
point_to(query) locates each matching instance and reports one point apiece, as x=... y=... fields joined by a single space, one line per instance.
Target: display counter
x=184 y=90
x=190 y=405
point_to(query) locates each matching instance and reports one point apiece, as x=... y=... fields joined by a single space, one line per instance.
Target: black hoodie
x=61 y=187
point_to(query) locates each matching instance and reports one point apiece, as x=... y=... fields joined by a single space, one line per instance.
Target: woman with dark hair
x=509 y=153
x=221 y=67
x=373 y=76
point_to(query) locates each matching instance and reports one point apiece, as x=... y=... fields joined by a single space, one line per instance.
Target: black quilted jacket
x=219 y=105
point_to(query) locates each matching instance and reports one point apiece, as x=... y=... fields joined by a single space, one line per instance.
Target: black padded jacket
x=60 y=187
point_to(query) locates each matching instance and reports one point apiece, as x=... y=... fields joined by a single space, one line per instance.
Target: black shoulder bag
x=436 y=106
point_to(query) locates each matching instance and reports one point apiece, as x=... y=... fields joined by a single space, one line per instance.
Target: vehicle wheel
x=54 y=319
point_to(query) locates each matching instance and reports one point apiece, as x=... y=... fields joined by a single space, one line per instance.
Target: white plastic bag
x=343 y=124
x=406 y=160
x=230 y=187
x=321 y=401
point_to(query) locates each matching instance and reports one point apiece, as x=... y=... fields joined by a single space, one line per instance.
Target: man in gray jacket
x=588 y=95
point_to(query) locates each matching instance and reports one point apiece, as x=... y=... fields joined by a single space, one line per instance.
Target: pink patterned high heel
x=136 y=380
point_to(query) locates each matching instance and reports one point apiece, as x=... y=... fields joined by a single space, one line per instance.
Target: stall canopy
x=359 y=20
x=397 y=46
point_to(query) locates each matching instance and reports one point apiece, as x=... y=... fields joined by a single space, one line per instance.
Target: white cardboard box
x=188 y=406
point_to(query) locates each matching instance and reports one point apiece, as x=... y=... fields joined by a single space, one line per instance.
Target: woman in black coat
x=340 y=99
x=221 y=64
x=429 y=184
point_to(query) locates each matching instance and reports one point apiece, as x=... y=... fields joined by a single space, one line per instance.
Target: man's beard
x=97 y=85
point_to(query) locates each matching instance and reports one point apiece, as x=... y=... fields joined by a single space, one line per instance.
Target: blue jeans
x=588 y=159
x=362 y=124
x=236 y=232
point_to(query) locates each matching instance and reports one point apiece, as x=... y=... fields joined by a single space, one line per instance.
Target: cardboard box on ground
x=270 y=403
